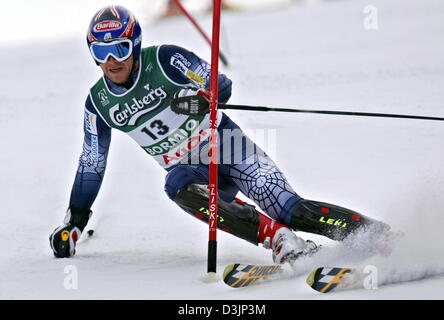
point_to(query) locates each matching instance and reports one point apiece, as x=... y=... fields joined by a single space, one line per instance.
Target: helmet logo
x=107 y=36
x=107 y=25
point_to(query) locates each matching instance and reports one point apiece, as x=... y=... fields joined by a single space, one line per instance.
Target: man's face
x=118 y=72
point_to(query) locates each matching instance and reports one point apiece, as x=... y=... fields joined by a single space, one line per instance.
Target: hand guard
x=191 y=101
x=64 y=238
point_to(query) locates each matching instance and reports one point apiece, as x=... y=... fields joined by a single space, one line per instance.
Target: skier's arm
x=92 y=162
x=186 y=68
x=89 y=176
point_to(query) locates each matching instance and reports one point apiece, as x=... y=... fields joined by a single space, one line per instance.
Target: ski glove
x=64 y=238
x=191 y=101
x=63 y=241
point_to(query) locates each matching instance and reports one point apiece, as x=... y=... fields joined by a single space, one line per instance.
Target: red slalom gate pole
x=199 y=29
x=214 y=156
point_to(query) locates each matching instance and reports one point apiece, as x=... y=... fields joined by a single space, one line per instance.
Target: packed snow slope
x=317 y=56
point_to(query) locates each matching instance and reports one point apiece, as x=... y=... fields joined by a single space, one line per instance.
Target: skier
x=134 y=96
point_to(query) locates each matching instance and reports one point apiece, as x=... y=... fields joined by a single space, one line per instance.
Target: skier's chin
x=118 y=75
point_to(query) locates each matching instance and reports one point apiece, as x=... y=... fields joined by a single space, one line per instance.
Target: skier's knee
x=177 y=179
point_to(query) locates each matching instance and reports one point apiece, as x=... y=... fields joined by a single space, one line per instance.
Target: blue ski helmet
x=107 y=27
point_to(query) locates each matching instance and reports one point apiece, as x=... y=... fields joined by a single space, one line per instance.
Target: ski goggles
x=118 y=49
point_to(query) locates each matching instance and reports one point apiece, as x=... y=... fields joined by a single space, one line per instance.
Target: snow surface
x=316 y=56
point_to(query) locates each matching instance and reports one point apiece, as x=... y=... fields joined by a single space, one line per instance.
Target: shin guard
x=236 y=217
x=332 y=221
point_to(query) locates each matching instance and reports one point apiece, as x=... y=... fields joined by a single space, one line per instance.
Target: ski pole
x=198 y=106
x=330 y=112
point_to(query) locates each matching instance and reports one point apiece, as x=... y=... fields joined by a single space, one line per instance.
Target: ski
x=328 y=279
x=244 y=275
x=322 y=279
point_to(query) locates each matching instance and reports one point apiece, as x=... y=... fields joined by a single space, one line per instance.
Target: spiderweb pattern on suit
x=261 y=180
x=92 y=163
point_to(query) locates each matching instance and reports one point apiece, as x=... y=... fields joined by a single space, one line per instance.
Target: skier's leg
x=187 y=185
x=330 y=220
x=244 y=221
x=180 y=176
x=255 y=173
x=263 y=182
x=259 y=178
x=234 y=217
